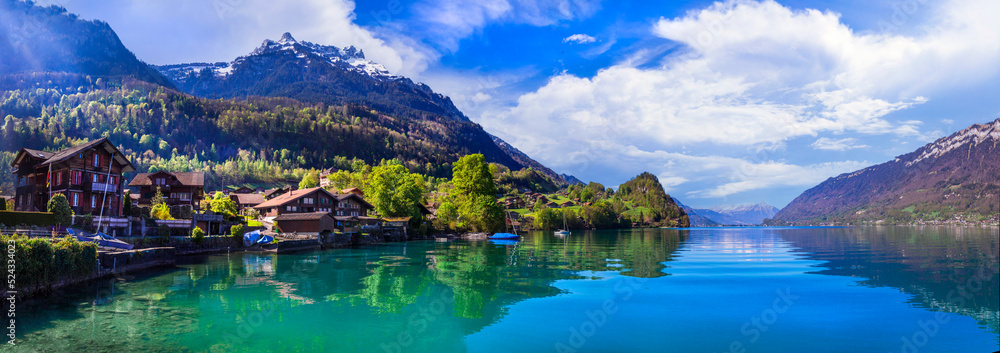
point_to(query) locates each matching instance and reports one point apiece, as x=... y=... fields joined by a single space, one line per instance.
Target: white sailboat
x=563 y=231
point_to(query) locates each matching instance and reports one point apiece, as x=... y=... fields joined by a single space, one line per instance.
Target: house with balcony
x=89 y=174
x=352 y=205
x=299 y=201
x=178 y=188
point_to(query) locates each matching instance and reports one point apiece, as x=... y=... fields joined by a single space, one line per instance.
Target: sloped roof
x=291 y=196
x=185 y=178
x=312 y=216
x=248 y=199
x=39 y=154
x=360 y=199
x=62 y=155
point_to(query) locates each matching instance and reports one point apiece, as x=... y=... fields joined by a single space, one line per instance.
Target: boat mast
x=111 y=161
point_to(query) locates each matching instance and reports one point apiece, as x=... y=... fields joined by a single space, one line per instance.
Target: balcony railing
x=103 y=187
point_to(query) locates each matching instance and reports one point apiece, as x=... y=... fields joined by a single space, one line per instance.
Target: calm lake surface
x=655 y=290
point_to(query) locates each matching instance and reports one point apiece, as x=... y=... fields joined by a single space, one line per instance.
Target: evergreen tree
x=59 y=206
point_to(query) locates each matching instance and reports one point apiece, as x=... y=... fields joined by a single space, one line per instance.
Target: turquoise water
x=653 y=290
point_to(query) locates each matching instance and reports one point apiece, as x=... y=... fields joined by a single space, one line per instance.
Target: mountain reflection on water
x=695 y=288
x=944 y=268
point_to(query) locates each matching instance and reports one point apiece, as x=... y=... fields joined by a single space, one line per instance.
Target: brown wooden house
x=178 y=188
x=352 y=205
x=312 y=223
x=90 y=175
x=299 y=201
x=245 y=201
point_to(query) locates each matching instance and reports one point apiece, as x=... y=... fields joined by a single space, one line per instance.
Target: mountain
x=697 y=220
x=572 y=180
x=955 y=176
x=526 y=161
x=49 y=39
x=315 y=73
x=311 y=73
x=747 y=214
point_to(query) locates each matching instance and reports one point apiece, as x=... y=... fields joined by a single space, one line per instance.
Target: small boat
x=504 y=236
x=102 y=239
x=563 y=231
x=255 y=237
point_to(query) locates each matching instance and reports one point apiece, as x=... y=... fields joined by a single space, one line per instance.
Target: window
x=292 y=208
x=93 y=201
x=341 y=205
x=76 y=199
x=161 y=181
x=97 y=160
x=340 y=213
x=59 y=178
x=308 y=200
x=95 y=177
x=77 y=177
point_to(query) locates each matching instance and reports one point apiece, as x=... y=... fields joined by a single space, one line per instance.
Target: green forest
x=257 y=141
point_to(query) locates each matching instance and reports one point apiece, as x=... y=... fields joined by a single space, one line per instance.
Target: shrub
x=14 y=218
x=236 y=231
x=42 y=263
x=197 y=235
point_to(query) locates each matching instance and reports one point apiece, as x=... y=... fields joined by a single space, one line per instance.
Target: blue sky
x=727 y=102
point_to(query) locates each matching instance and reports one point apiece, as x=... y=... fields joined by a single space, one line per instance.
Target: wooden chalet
x=352 y=205
x=89 y=174
x=323 y=180
x=241 y=190
x=178 y=188
x=355 y=191
x=275 y=192
x=299 y=201
x=246 y=201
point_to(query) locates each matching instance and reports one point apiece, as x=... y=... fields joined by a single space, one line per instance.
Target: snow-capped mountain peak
x=975 y=134
x=349 y=58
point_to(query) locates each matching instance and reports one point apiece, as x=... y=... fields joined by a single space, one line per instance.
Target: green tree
x=127 y=204
x=223 y=204
x=475 y=194
x=310 y=180
x=394 y=191
x=160 y=210
x=59 y=206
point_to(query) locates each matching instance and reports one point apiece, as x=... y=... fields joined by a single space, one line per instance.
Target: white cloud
x=448 y=21
x=772 y=174
x=754 y=75
x=579 y=39
x=828 y=144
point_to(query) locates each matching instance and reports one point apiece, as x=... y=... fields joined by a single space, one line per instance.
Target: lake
x=879 y=289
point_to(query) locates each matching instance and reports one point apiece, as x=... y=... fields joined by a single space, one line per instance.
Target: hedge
x=40 y=263
x=15 y=218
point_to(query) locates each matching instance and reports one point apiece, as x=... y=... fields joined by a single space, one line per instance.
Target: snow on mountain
x=350 y=58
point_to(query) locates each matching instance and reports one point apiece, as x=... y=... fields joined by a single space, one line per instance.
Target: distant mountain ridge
x=49 y=39
x=696 y=219
x=955 y=175
x=732 y=215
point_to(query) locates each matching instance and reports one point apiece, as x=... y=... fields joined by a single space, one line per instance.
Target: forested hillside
x=258 y=140
x=646 y=191
x=49 y=39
